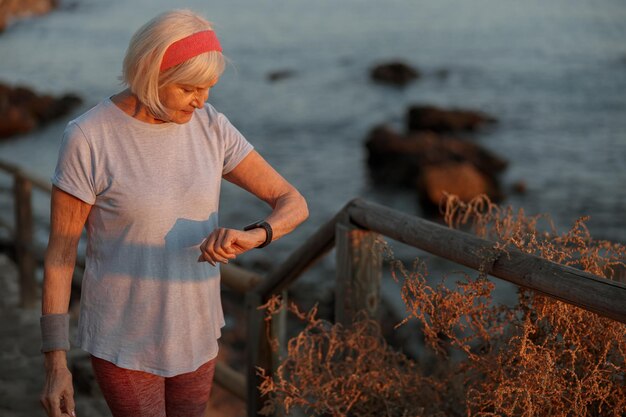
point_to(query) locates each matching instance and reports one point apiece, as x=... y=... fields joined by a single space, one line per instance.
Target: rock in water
x=461 y=179
x=15 y=9
x=22 y=110
x=442 y=120
x=395 y=73
x=434 y=164
x=280 y=75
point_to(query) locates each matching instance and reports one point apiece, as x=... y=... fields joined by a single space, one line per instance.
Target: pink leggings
x=140 y=394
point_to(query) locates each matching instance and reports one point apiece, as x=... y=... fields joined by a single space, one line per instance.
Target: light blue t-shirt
x=146 y=303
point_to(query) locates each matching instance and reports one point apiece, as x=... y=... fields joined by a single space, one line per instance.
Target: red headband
x=186 y=48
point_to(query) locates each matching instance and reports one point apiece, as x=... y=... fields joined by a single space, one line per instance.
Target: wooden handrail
x=322 y=241
x=37 y=181
x=582 y=289
x=231 y=380
x=239 y=279
x=600 y=295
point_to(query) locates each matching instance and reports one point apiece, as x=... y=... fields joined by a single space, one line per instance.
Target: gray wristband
x=55 y=332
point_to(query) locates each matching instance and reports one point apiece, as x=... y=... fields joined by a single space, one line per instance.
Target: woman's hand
x=58 y=393
x=223 y=245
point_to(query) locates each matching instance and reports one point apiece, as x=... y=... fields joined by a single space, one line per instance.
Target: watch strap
x=268 y=232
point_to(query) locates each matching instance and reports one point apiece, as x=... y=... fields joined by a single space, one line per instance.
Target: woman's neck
x=130 y=104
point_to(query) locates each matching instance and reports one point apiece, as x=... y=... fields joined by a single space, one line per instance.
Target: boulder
x=392 y=159
x=22 y=110
x=395 y=73
x=441 y=120
x=16 y=121
x=459 y=178
x=280 y=75
x=433 y=162
x=401 y=157
x=11 y=10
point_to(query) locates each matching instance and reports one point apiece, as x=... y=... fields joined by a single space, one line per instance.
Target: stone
x=461 y=179
x=395 y=73
x=11 y=10
x=22 y=110
x=395 y=158
x=433 y=162
x=421 y=117
x=280 y=75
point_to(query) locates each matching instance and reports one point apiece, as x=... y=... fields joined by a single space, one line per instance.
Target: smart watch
x=261 y=225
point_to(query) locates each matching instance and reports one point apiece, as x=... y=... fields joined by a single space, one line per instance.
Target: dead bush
x=540 y=357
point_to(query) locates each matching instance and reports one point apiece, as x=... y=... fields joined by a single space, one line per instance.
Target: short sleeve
x=236 y=147
x=74 y=171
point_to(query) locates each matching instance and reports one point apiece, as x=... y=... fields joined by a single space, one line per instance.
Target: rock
x=280 y=75
x=440 y=120
x=16 y=121
x=484 y=160
x=461 y=179
x=15 y=9
x=426 y=159
x=400 y=157
x=22 y=110
x=392 y=159
x=395 y=73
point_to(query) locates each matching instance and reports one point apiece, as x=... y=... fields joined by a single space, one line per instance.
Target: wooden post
x=24 y=240
x=238 y=279
x=359 y=271
x=231 y=380
x=259 y=352
x=278 y=332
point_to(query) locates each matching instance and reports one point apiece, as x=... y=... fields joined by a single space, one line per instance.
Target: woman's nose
x=200 y=98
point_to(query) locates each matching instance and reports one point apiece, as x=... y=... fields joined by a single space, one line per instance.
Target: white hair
x=141 y=70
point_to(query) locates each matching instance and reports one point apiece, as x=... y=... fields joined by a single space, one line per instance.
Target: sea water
x=552 y=72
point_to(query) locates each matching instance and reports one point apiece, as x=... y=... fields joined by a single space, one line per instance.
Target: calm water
x=553 y=73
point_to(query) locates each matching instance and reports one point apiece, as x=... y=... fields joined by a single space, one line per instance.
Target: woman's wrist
x=259 y=235
x=55 y=332
x=55 y=359
x=268 y=232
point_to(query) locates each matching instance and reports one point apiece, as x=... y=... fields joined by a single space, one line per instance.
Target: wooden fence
x=353 y=230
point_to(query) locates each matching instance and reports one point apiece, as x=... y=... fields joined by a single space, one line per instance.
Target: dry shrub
x=541 y=357
x=347 y=372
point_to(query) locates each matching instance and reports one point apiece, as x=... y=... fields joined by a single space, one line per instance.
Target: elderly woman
x=142 y=172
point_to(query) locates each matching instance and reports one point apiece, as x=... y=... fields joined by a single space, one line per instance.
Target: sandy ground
x=21 y=364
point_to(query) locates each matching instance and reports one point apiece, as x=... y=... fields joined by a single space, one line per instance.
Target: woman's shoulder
x=211 y=112
x=94 y=116
x=215 y=118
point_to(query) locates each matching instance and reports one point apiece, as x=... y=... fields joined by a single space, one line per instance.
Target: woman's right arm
x=68 y=215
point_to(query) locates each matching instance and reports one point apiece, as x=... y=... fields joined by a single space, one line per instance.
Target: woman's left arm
x=289 y=209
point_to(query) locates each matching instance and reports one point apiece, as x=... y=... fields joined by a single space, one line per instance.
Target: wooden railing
x=23 y=250
x=353 y=230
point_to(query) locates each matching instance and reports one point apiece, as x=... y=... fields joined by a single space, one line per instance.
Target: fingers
x=59 y=405
x=58 y=394
x=218 y=247
x=68 y=407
